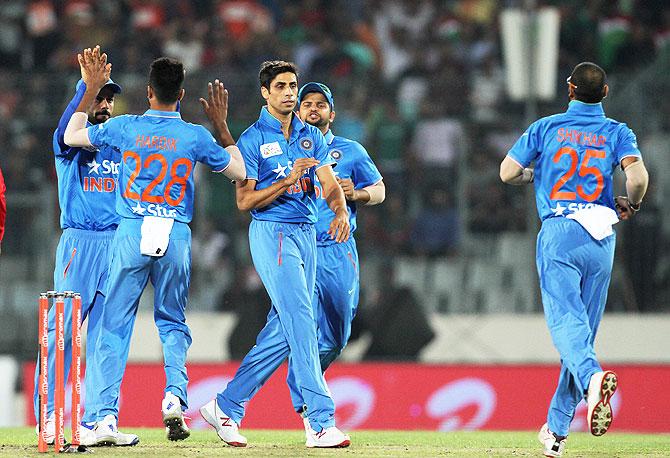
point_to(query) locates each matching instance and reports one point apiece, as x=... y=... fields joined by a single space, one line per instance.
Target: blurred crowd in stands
x=419 y=83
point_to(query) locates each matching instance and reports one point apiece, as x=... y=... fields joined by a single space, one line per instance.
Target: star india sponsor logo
x=571 y=207
x=154 y=210
x=107 y=175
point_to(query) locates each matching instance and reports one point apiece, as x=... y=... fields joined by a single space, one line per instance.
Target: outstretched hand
x=95 y=70
x=216 y=105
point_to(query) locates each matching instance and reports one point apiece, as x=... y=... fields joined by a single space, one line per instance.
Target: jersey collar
x=329 y=136
x=589 y=109
x=274 y=124
x=163 y=114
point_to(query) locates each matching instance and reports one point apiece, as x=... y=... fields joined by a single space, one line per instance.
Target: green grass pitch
x=21 y=442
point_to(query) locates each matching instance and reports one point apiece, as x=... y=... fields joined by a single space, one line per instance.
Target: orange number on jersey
x=564 y=195
x=127 y=193
x=595 y=171
x=178 y=179
x=146 y=194
x=584 y=170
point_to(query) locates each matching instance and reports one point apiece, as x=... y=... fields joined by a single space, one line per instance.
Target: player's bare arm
x=95 y=71
x=339 y=226
x=369 y=195
x=512 y=173
x=216 y=109
x=637 y=180
x=249 y=198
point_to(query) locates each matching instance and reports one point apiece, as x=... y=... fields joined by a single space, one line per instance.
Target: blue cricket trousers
x=129 y=273
x=575 y=271
x=82 y=262
x=336 y=301
x=284 y=255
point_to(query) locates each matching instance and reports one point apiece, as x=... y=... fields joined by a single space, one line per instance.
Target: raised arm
x=95 y=71
x=216 y=109
x=69 y=110
x=249 y=198
x=339 y=226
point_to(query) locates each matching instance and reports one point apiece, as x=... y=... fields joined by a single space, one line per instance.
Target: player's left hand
x=339 y=226
x=216 y=105
x=348 y=187
x=623 y=208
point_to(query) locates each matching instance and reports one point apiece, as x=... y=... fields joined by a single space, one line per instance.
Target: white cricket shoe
x=126 y=439
x=601 y=389
x=327 y=438
x=173 y=418
x=87 y=435
x=308 y=429
x=106 y=432
x=553 y=444
x=50 y=434
x=225 y=427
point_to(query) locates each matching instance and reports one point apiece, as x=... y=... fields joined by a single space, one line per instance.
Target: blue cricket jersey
x=269 y=157
x=354 y=163
x=575 y=154
x=159 y=151
x=87 y=180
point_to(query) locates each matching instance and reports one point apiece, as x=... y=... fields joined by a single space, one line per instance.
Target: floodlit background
x=434 y=90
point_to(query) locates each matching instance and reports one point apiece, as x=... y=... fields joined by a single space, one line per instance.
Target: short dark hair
x=166 y=78
x=271 y=68
x=589 y=81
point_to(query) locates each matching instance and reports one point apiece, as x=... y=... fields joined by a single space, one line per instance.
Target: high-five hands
x=95 y=70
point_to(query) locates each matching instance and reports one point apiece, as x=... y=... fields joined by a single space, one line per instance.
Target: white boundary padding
x=9 y=368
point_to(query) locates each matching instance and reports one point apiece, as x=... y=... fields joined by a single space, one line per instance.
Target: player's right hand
x=623 y=208
x=299 y=167
x=95 y=70
x=216 y=105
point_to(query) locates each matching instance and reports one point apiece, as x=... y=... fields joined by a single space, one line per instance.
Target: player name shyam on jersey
x=581 y=138
x=155 y=142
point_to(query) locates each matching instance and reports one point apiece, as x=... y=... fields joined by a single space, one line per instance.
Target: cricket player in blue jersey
x=87 y=180
x=575 y=155
x=337 y=267
x=283 y=158
x=153 y=239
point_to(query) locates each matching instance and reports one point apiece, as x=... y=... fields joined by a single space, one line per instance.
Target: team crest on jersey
x=306 y=144
x=336 y=154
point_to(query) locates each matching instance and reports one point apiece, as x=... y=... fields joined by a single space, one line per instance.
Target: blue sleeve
x=248 y=145
x=365 y=172
x=626 y=144
x=65 y=119
x=527 y=147
x=321 y=149
x=108 y=133
x=209 y=152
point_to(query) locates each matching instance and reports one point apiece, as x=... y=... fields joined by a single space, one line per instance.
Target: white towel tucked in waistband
x=155 y=235
x=597 y=220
